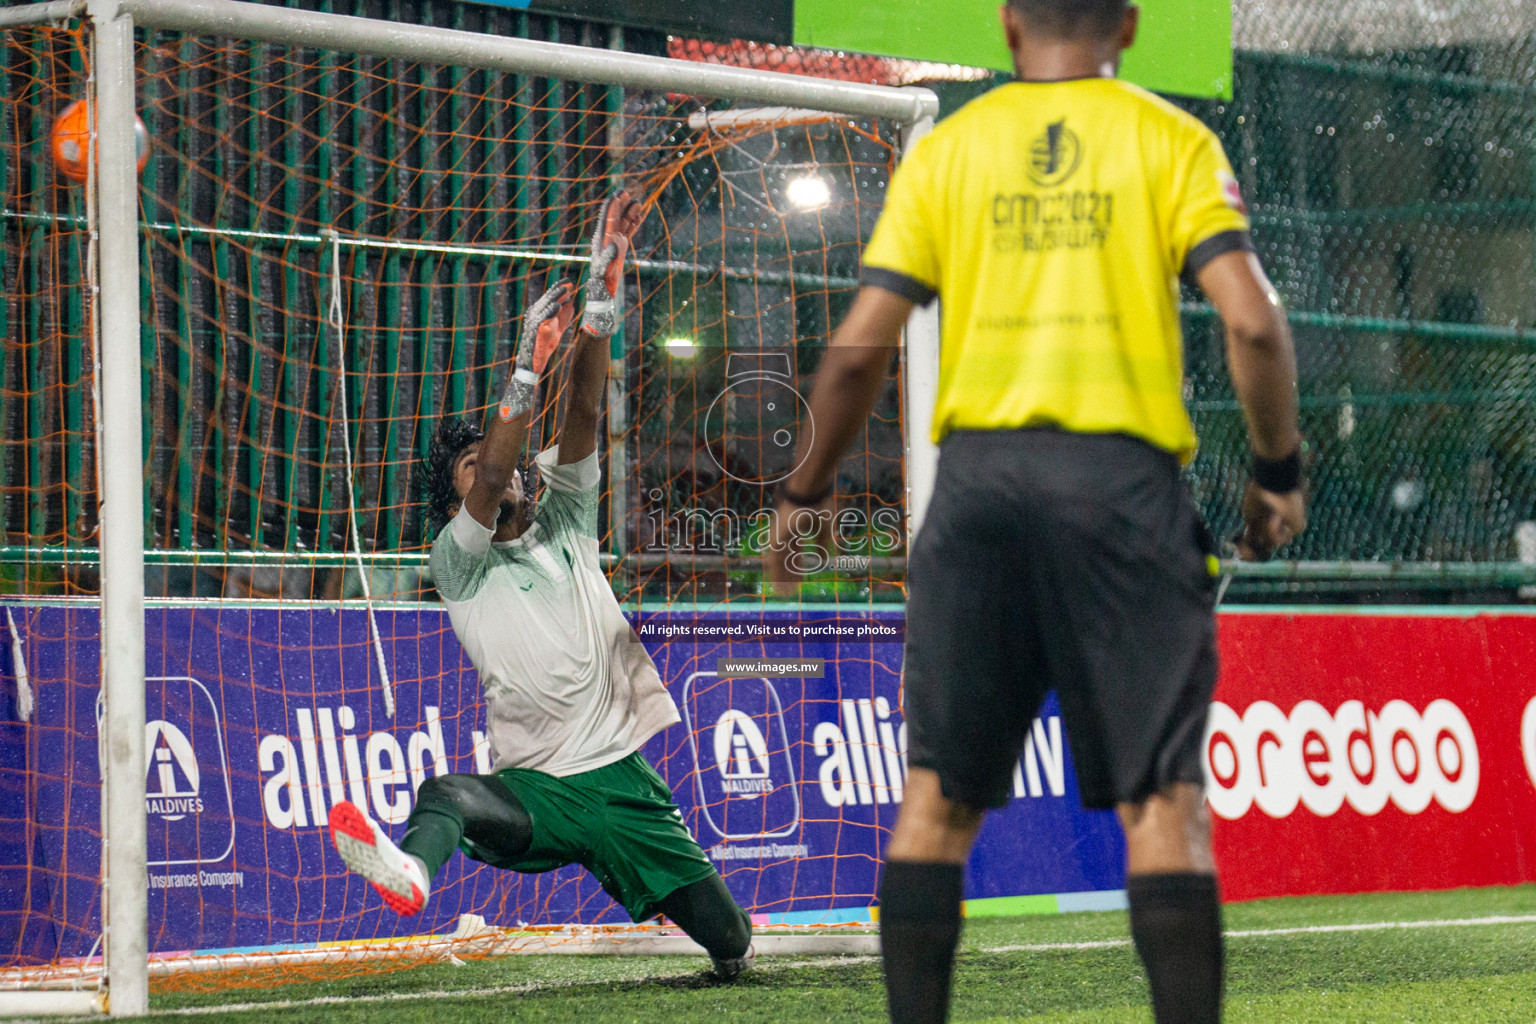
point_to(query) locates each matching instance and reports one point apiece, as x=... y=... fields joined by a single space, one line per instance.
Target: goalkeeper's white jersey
x=568 y=686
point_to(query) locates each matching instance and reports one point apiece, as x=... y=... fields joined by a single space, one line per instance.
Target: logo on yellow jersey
x=1054 y=155
x=1232 y=192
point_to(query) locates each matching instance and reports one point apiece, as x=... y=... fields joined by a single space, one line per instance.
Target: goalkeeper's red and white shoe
x=368 y=851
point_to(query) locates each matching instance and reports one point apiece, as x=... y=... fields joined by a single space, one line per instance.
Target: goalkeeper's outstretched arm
x=584 y=398
x=618 y=218
x=617 y=221
x=496 y=458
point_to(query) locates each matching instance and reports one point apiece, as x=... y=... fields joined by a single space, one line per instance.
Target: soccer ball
x=71 y=142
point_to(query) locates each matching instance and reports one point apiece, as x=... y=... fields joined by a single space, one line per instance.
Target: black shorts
x=1073 y=562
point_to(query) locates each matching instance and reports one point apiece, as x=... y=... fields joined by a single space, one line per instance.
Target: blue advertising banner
x=788 y=766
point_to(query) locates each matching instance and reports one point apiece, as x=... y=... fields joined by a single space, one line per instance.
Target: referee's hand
x=1270 y=521
x=799 y=541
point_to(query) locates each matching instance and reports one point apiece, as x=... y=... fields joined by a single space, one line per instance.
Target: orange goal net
x=335 y=250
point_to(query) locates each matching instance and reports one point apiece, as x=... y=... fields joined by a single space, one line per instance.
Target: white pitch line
x=1042 y=947
x=1316 y=929
x=1381 y=926
x=1051 y=947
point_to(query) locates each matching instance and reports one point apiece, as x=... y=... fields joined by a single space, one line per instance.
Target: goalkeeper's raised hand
x=494 y=464
x=617 y=221
x=544 y=325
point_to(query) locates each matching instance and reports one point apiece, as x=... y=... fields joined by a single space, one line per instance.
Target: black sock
x=707 y=912
x=1176 y=925
x=919 y=929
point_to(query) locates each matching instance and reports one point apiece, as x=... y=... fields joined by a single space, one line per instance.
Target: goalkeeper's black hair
x=449 y=440
x=1072 y=19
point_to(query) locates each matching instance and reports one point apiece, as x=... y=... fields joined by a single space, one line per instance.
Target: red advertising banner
x=1372 y=752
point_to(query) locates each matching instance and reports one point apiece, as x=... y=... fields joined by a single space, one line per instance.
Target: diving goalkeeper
x=571 y=695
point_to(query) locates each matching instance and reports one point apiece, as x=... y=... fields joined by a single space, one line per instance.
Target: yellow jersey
x=1053 y=220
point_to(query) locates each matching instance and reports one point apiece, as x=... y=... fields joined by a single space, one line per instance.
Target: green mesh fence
x=1387 y=151
x=1392 y=178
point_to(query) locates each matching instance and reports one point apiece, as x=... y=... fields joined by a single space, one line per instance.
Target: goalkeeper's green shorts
x=617 y=821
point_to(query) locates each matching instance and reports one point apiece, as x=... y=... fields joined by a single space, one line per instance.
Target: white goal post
x=114 y=204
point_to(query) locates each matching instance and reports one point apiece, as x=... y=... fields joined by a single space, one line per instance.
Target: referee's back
x=1061 y=549
x=1054 y=219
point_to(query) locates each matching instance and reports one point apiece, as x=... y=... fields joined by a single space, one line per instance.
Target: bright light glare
x=680 y=348
x=809 y=192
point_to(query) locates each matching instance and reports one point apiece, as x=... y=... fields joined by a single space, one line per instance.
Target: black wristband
x=789 y=497
x=1278 y=476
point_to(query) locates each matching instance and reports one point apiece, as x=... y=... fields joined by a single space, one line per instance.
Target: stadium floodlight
x=680 y=347
x=809 y=192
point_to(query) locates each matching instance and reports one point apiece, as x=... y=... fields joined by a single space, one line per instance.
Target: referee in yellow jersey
x=1052 y=218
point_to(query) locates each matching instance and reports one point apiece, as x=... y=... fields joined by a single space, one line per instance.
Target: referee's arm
x=848 y=383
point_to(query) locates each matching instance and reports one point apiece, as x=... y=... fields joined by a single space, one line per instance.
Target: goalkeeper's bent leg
x=707 y=912
x=480 y=808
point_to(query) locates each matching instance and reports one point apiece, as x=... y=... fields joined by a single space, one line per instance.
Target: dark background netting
x=1387 y=152
x=1391 y=173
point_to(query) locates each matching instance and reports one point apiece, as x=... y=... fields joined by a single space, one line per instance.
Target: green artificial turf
x=1483 y=972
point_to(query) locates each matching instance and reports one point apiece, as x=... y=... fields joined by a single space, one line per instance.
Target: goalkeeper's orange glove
x=617 y=221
